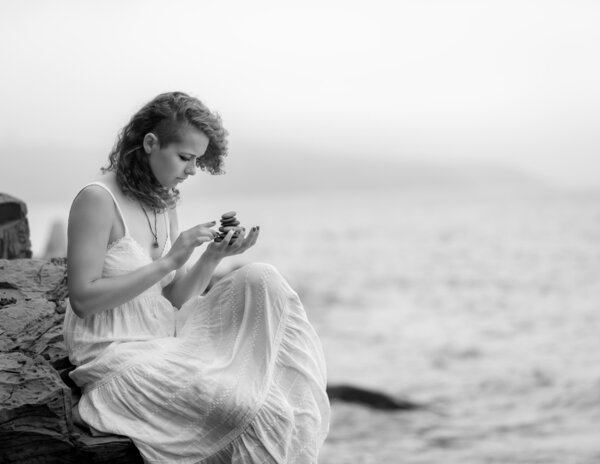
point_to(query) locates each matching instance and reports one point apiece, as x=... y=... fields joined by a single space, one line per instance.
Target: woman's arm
x=194 y=281
x=188 y=282
x=90 y=222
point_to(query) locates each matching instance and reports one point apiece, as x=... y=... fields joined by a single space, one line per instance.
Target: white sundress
x=234 y=376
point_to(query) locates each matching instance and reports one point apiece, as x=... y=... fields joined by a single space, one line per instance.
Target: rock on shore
x=36 y=394
x=14 y=228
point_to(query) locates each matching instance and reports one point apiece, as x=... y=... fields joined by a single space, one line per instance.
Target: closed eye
x=183 y=158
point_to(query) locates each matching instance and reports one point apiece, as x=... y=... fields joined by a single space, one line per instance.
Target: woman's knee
x=261 y=275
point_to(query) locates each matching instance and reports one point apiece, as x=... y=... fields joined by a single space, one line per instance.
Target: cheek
x=165 y=164
x=169 y=168
x=174 y=166
x=161 y=168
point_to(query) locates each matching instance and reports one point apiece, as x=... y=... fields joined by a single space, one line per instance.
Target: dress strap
x=168 y=224
x=100 y=184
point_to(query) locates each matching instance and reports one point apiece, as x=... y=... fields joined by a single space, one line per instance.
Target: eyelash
x=183 y=158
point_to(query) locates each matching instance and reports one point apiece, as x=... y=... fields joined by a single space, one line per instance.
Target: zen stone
x=229 y=214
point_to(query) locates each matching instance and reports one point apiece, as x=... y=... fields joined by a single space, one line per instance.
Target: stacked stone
x=228 y=222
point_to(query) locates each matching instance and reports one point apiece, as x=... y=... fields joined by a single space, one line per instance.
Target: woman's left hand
x=228 y=248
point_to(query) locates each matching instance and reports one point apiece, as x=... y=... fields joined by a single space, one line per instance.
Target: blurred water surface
x=486 y=307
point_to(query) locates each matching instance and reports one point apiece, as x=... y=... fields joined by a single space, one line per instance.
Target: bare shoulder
x=93 y=196
x=93 y=206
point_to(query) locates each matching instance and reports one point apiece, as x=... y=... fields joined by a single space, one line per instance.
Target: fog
x=504 y=84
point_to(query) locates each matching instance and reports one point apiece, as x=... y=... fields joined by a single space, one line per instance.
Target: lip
x=181 y=179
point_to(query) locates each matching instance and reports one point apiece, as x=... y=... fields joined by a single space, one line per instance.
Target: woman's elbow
x=77 y=307
x=81 y=306
x=80 y=301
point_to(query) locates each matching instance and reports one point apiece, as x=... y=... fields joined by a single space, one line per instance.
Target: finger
x=206 y=234
x=237 y=238
x=206 y=228
x=206 y=225
x=200 y=231
x=253 y=236
x=201 y=239
x=247 y=236
x=227 y=238
x=210 y=233
x=249 y=240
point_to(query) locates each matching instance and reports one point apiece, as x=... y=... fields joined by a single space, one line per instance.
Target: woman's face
x=176 y=161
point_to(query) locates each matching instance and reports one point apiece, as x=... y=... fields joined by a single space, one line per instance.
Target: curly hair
x=166 y=116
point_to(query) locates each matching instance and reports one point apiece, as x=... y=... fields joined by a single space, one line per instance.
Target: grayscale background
x=425 y=174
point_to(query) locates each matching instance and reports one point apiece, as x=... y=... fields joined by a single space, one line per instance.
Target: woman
x=236 y=375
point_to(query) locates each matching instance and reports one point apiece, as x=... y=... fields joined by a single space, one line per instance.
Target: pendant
x=155 y=244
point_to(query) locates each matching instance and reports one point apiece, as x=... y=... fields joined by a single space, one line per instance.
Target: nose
x=190 y=169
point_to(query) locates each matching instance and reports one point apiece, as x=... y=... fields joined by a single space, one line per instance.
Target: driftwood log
x=14 y=228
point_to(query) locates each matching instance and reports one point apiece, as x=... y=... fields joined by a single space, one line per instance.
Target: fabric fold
x=240 y=377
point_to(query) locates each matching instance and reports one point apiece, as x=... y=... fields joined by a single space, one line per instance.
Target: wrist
x=210 y=258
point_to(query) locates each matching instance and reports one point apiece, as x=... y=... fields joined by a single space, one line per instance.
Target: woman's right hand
x=187 y=242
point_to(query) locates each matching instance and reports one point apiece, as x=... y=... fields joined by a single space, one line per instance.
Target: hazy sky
x=501 y=81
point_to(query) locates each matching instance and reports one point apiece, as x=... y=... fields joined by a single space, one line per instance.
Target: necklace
x=154 y=234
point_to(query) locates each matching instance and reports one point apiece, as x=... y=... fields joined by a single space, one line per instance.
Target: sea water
x=485 y=308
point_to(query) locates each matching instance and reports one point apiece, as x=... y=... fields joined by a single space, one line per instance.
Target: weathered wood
x=34 y=398
x=34 y=277
x=31 y=447
x=36 y=393
x=105 y=450
x=14 y=228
